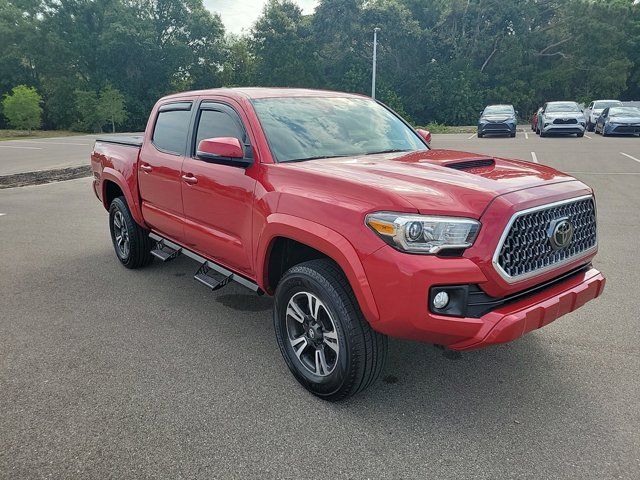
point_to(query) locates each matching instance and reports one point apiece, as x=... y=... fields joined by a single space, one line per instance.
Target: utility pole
x=375 y=59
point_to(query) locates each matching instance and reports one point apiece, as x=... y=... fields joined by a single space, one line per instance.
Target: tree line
x=98 y=63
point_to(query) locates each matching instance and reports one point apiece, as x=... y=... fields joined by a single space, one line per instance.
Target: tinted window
x=605 y=104
x=305 y=128
x=217 y=124
x=171 y=130
x=563 y=107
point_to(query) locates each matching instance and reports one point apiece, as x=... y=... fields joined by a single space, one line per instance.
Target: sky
x=239 y=15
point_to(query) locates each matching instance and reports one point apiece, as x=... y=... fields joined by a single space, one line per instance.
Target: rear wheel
x=323 y=336
x=130 y=241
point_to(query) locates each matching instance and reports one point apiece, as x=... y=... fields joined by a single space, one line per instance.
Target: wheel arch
x=114 y=182
x=319 y=242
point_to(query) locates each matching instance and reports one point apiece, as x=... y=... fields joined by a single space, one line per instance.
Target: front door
x=160 y=169
x=218 y=199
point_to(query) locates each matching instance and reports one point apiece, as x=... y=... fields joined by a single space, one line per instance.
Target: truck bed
x=127 y=140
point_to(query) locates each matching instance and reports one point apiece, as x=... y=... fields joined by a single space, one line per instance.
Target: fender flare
x=325 y=240
x=112 y=175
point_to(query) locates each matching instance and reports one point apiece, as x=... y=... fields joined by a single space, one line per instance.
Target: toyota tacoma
x=338 y=208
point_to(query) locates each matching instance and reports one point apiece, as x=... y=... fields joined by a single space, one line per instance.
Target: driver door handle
x=146 y=168
x=190 y=179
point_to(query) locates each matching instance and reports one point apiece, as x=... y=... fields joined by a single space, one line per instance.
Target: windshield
x=605 y=104
x=563 y=107
x=498 y=109
x=624 y=112
x=304 y=128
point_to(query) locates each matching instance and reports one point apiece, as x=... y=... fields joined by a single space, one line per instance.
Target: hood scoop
x=472 y=163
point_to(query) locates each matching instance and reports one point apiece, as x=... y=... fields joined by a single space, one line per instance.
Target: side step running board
x=211 y=274
x=164 y=252
x=210 y=278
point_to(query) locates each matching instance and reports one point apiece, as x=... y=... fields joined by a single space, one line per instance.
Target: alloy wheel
x=121 y=234
x=312 y=334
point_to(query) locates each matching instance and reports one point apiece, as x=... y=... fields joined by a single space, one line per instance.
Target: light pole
x=375 y=58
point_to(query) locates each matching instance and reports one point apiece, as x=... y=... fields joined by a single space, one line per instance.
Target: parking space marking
x=534 y=157
x=16 y=146
x=51 y=143
x=2 y=214
x=629 y=156
x=526 y=135
x=471 y=136
x=587 y=136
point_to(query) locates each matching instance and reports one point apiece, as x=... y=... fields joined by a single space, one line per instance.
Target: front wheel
x=323 y=336
x=130 y=241
x=580 y=135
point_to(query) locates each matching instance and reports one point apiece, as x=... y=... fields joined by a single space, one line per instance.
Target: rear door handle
x=146 y=168
x=190 y=179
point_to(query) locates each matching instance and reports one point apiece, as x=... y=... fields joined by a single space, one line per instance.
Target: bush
x=22 y=108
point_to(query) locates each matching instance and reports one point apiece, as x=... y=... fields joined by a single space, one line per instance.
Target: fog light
x=441 y=300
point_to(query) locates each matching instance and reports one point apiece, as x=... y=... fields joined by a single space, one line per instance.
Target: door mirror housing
x=425 y=134
x=224 y=151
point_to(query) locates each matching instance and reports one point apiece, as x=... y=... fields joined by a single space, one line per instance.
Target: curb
x=44 y=176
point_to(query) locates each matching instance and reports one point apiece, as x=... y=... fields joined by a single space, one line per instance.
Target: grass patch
x=23 y=134
x=440 y=128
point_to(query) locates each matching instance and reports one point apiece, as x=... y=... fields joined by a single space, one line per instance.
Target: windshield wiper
x=391 y=150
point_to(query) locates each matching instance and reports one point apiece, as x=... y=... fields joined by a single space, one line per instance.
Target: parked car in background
x=561 y=118
x=534 y=120
x=497 y=120
x=338 y=208
x=619 y=121
x=594 y=110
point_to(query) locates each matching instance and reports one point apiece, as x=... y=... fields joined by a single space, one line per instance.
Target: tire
x=542 y=134
x=512 y=135
x=480 y=135
x=353 y=355
x=580 y=135
x=537 y=131
x=590 y=127
x=131 y=242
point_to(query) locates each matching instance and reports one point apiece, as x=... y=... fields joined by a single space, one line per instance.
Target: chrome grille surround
x=528 y=228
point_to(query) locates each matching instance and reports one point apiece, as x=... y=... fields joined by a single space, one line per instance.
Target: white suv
x=594 y=110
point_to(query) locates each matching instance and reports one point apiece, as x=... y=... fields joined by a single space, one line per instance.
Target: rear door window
x=172 y=127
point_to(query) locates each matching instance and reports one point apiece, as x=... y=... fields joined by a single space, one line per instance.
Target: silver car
x=561 y=118
x=595 y=109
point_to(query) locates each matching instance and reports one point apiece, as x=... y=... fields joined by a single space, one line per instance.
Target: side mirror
x=517 y=113
x=425 y=134
x=223 y=150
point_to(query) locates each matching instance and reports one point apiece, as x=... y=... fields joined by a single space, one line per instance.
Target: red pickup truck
x=338 y=208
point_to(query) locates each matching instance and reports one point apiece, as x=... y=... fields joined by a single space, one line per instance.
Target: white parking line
x=471 y=136
x=526 y=135
x=534 y=157
x=629 y=156
x=587 y=136
x=2 y=214
x=50 y=143
x=15 y=146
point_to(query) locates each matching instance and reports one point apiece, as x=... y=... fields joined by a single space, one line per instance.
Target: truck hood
x=432 y=181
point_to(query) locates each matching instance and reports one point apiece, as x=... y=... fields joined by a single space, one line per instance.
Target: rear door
x=160 y=168
x=218 y=199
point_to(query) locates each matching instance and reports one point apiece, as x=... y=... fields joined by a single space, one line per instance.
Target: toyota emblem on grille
x=560 y=233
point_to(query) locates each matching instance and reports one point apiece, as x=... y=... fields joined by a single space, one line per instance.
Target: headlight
x=422 y=233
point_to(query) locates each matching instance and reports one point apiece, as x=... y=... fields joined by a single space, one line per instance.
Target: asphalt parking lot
x=110 y=373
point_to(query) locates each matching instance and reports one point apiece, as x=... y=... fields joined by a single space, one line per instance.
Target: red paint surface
x=231 y=215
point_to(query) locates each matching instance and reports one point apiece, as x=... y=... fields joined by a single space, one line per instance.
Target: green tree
x=88 y=106
x=111 y=106
x=22 y=108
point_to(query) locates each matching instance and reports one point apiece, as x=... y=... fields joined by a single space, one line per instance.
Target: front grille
x=565 y=121
x=631 y=129
x=496 y=126
x=527 y=248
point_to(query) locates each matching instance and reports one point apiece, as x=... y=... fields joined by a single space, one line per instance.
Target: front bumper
x=622 y=129
x=497 y=128
x=563 y=128
x=401 y=285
